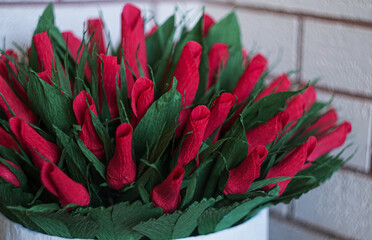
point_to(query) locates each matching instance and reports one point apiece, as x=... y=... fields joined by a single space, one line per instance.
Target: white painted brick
x=272 y=35
x=280 y=209
x=342 y=205
x=341 y=55
x=279 y=230
x=357 y=9
x=359 y=113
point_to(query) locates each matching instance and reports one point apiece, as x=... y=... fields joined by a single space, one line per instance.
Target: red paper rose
x=196 y=124
x=88 y=133
x=279 y=84
x=241 y=177
x=121 y=169
x=291 y=164
x=208 y=22
x=133 y=39
x=63 y=187
x=14 y=103
x=167 y=194
x=32 y=143
x=142 y=98
x=95 y=26
x=44 y=50
x=6 y=140
x=324 y=123
x=217 y=58
x=8 y=175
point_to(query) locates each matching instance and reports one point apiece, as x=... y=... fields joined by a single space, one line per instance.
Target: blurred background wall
x=330 y=39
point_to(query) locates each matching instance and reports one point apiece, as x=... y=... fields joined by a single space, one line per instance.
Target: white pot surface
x=254 y=229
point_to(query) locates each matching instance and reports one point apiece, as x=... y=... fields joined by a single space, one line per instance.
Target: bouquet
x=158 y=138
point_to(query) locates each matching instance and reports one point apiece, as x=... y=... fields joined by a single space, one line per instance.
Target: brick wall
x=331 y=39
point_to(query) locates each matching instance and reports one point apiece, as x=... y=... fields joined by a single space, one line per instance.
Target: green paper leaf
x=101 y=169
x=230 y=25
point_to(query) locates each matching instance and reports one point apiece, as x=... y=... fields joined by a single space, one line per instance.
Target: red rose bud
x=133 y=38
x=290 y=165
x=196 y=124
x=250 y=77
x=6 y=174
x=266 y=132
x=167 y=194
x=324 y=123
x=208 y=22
x=95 y=26
x=330 y=141
x=63 y=187
x=280 y=84
x=6 y=140
x=46 y=76
x=182 y=120
x=142 y=98
x=310 y=97
x=296 y=108
x=152 y=31
x=187 y=71
x=121 y=169
x=110 y=77
x=15 y=104
x=44 y=50
x=241 y=177
x=217 y=56
x=88 y=133
x=33 y=144
x=73 y=44
x=220 y=108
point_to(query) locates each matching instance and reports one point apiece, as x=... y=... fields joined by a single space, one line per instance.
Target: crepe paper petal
x=142 y=98
x=6 y=140
x=121 y=169
x=110 y=78
x=220 y=108
x=217 y=58
x=15 y=104
x=73 y=44
x=208 y=22
x=310 y=97
x=330 y=141
x=96 y=27
x=44 y=50
x=241 y=177
x=324 y=123
x=296 y=108
x=250 y=77
x=63 y=187
x=152 y=31
x=187 y=71
x=167 y=194
x=6 y=174
x=181 y=122
x=88 y=133
x=245 y=55
x=196 y=126
x=133 y=38
x=34 y=144
x=290 y=165
x=279 y=84
x=266 y=132
x=8 y=76
x=46 y=76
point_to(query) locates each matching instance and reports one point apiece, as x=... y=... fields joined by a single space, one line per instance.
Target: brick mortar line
x=358 y=96
x=299 y=13
x=307 y=227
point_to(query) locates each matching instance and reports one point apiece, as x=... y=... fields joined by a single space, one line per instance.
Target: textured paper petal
x=152 y=31
x=142 y=98
x=182 y=120
x=63 y=187
x=217 y=58
x=266 y=132
x=109 y=75
x=291 y=164
x=6 y=140
x=279 y=84
x=33 y=144
x=95 y=26
x=44 y=50
x=310 y=97
x=250 y=77
x=330 y=141
x=46 y=76
x=241 y=177
x=121 y=169
x=196 y=124
x=88 y=133
x=296 y=108
x=187 y=71
x=324 y=123
x=167 y=194
x=219 y=110
x=133 y=38
x=6 y=174
x=208 y=22
x=15 y=104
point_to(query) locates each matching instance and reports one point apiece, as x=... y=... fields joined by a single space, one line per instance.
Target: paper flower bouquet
x=161 y=139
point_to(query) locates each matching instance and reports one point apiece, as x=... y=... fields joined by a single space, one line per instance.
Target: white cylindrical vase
x=254 y=229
